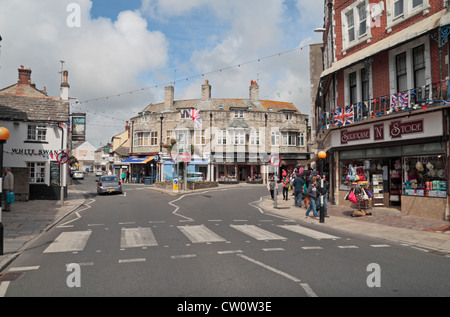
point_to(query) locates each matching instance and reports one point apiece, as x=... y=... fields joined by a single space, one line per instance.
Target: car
x=78 y=175
x=195 y=177
x=108 y=184
x=99 y=173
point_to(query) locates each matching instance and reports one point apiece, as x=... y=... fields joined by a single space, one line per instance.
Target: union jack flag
x=344 y=115
x=399 y=101
x=195 y=116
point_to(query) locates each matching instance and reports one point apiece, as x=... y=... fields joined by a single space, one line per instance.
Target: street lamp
x=4 y=136
x=322 y=155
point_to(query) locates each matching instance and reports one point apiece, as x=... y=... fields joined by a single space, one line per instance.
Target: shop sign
x=378 y=132
x=397 y=129
x=359 y=135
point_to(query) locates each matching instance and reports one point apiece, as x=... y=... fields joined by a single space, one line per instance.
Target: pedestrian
x=271 y=187
x=128 y=176
x=8 y=186
x=323 y=192
x=286 y=187
x=297 y=185
x=123 y=177
x=312 y=194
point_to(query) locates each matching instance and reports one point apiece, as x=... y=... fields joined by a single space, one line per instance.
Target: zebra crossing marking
x=69 y=242
x=200 y=234
x=137 y=237
x=308 y=232
x=257 y=233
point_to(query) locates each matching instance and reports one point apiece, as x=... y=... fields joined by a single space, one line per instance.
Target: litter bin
x=147 y=180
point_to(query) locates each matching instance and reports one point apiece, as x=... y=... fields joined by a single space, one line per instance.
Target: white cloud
x=104 y=57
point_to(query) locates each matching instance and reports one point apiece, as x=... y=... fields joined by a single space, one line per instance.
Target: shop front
x=403 y=161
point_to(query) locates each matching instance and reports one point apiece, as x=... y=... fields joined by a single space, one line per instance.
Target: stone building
x=233 y=142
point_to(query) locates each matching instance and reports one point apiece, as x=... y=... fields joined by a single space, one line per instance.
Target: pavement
x=28 y=220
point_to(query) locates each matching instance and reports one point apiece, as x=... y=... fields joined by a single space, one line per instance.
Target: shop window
x=425 y=176
x=36 y=172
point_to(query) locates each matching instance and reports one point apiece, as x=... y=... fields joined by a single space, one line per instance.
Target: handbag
x=369 y=193
x=10 y=197
x=352 y=197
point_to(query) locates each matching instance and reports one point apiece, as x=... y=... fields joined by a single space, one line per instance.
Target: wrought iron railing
x=414 y=99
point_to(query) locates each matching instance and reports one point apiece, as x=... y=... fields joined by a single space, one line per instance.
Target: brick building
x=38 y=132
x=235 y=141
x=382 y=102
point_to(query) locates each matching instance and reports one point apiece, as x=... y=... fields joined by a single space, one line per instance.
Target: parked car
x=195 y=177
x=99 y=173
x=78 y=175
x=108 y=184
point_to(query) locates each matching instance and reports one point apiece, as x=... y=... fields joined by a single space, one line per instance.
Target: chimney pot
x=169 y=100
x=24 y=76
x=206 y=91
x=254 y=90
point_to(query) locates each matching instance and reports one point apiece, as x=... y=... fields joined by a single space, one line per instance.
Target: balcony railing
x=410 y=100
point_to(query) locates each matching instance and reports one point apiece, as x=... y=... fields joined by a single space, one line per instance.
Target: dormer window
x=184 y=114
x=238 y=113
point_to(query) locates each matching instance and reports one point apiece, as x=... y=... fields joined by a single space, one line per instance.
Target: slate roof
x=226 y=105
x=26 y=108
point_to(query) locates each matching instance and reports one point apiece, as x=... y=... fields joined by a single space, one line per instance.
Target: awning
x=409 y=33
x=139 y=160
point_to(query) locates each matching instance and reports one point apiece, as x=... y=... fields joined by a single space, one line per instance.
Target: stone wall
x=190 y=185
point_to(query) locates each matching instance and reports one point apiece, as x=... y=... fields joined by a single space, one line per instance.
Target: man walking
x=8 y=186
x=323 y=191
x=312 y=194
x=298 y=184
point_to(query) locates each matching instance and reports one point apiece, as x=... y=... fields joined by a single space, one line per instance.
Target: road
x=212 y=244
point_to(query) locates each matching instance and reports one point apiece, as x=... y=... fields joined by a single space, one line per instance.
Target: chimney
x=65 y=86
x=206 y=91
x=254 y=91
x=168 y=104
x=127 y=128
x=24 y=76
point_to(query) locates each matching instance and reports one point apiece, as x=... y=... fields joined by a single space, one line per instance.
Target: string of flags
x=196 y=76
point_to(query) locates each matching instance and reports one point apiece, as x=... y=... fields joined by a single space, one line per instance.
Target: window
x=364 y=84
x=350 y=26
x=141 y=139
x=353 y=88
x=417 y=3
x=398 y=8
x=184 y=114
x=37 y=133
x=300 y=139
x=170 y=135
x=183 y=141
x=355 y=27
x=36 y=172
x=221 y=137
x=419 y=66
x=238 y=113
x=401 y=73
x=290 y=138
x=199 y=137
x=275 y=137
x=362 y=19
x=254 y=138
x=288 y=116
x=154 y=138
x=237 y=137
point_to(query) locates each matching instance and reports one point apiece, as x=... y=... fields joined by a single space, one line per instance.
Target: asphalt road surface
x=212 y=244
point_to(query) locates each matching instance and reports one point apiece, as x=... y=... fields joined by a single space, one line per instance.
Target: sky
x=121 y=54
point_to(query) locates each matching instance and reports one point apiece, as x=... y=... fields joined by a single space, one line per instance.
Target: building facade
x=228 y=140
x=382 y=103
x=38 y=126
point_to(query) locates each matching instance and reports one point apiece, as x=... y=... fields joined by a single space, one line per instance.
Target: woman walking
x=286 y=187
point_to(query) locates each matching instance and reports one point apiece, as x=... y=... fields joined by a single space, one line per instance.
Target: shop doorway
x=395 y=182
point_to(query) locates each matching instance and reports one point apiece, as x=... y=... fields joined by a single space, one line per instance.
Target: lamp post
x=4 y=136
x=322 y=155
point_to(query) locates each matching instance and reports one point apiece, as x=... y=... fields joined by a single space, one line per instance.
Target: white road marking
x=257 y=233
x=132 y=260
x=273 y=249
x=200 y=234
x=69 y=242
x=312 y=248
x=185 y=256
x=308 y=232
x=3 y=288
x=23 y=268
x=380 y=245
x=229 y=252
x=137 y=237
x=348 y=247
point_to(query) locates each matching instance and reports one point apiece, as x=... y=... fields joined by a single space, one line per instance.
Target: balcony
x=431 y=95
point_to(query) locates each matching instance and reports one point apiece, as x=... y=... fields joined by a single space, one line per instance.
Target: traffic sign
x=62 y=158
x=156 y=158
x=174 y=156
x=186 y=157
x=275 y=160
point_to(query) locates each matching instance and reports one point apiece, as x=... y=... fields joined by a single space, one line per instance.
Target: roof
x=13 y=107
x=226 y=105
